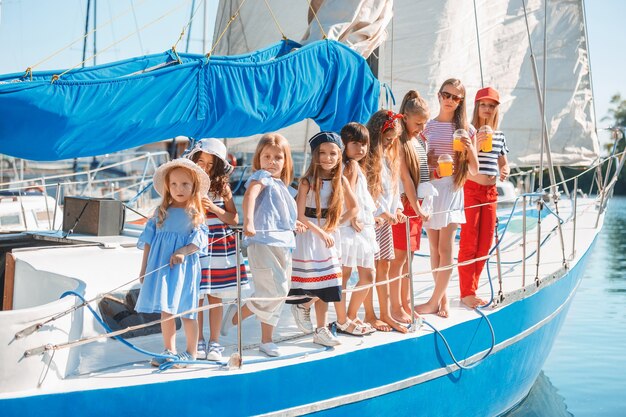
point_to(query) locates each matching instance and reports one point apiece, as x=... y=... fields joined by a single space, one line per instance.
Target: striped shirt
x=488 y=161
x=420 y=148
x=439 y=137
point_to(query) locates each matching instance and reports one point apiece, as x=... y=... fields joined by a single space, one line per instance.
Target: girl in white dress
x=358 y=238
x=383 y=177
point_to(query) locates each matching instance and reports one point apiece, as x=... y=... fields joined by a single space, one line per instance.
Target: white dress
x=359 y=248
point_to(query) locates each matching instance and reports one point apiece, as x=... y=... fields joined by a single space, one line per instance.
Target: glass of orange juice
x=445 y=165
x=457 y=145
x=487 y=144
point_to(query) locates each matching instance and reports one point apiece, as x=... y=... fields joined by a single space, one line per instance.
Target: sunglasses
x=447 y=96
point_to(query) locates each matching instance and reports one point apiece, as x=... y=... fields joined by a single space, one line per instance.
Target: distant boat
x=58 y=358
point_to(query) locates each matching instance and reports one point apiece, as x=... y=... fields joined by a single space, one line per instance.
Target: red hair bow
x=391 y=120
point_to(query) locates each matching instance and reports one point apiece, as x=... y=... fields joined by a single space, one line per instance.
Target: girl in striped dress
x=219 y=266
x=317 y=258
x=448 y=204
x=383 y=183
x=480 y=190
x=413 y=173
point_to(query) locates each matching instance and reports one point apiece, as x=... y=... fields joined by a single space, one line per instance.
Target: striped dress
x=219 y=266
x=317 y=269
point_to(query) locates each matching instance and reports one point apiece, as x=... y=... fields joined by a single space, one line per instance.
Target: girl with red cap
x=481 y=194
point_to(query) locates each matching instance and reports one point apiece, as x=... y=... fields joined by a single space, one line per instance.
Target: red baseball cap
x=487 y=93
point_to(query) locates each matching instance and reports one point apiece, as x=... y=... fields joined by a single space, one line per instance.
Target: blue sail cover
x=106 y=108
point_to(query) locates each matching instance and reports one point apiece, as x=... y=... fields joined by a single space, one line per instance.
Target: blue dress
x=172 y=290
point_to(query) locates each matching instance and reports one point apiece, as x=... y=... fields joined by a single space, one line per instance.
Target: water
x=585 y=374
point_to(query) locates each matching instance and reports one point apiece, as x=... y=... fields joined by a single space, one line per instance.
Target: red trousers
x=476 y=234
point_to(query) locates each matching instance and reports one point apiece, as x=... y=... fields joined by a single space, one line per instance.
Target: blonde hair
x=460 y=121
x=335 y=202
x=194 y=204
x=376 y=153
x=476 y=120
x=279 y=141
x=412 y=104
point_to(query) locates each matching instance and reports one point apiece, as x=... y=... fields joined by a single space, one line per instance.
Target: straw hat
x=159 y=176
x=212 y=147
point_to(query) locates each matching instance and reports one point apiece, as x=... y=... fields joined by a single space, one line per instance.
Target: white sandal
x=357 y=329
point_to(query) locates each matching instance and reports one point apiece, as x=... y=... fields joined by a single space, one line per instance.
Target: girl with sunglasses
x=448 y=204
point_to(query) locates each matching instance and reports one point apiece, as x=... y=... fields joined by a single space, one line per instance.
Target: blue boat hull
x=408 y=377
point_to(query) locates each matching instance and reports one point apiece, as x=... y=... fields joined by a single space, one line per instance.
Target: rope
x=275 y=20
x=188 y=25
x=230 y=21
x=56 y=77
x=29 y=70
x=317 y=20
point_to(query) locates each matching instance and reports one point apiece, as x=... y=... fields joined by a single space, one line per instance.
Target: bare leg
x=432 y=305
x=245 y=312
x=370 y=314
x=321 y=310
x=405 y=289
x=340 y=306
x=366 y=277
x=395 y=270
x=438 y=302
x=267 y=333
x=191 y=333
x=215 y=318
x=382 y=274
x=168 y=329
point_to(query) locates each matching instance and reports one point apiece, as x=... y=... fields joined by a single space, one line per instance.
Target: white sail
x=429 y=42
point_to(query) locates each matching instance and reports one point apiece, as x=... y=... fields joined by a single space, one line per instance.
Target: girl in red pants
x=480 y=190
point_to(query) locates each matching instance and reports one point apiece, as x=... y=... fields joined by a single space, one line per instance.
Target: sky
x=29 y=22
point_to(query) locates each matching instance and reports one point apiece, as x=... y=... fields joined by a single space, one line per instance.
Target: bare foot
x=473 y=301
x=444 y=308
x=401 y=316
x=427 y=308
x=394 y=324
x=378 y=324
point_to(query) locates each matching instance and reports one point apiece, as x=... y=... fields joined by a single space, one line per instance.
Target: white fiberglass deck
x=108 y=363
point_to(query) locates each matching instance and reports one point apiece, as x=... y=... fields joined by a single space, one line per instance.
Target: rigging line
x=188 y=24
x=56 y=77
x=132 y=5
x=193 y=3
x=480 y=59
x=317 y=19
x=275 y=20
x=230 y=21
x=55 y=53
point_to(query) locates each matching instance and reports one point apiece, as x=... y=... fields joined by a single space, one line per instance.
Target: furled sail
x=430 y=41
x=102 y=109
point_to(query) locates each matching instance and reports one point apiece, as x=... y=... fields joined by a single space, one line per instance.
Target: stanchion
x=524 y=243
x=575 y=212
x=409 y=260
x=239 y=316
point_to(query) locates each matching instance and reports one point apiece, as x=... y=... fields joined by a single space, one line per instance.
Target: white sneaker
x=302 y=316
x=214 y=352
x=270 y=349
x=324 y=337
x=201 y=350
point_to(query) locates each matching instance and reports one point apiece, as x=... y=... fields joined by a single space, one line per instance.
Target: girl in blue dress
x=172 y=242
